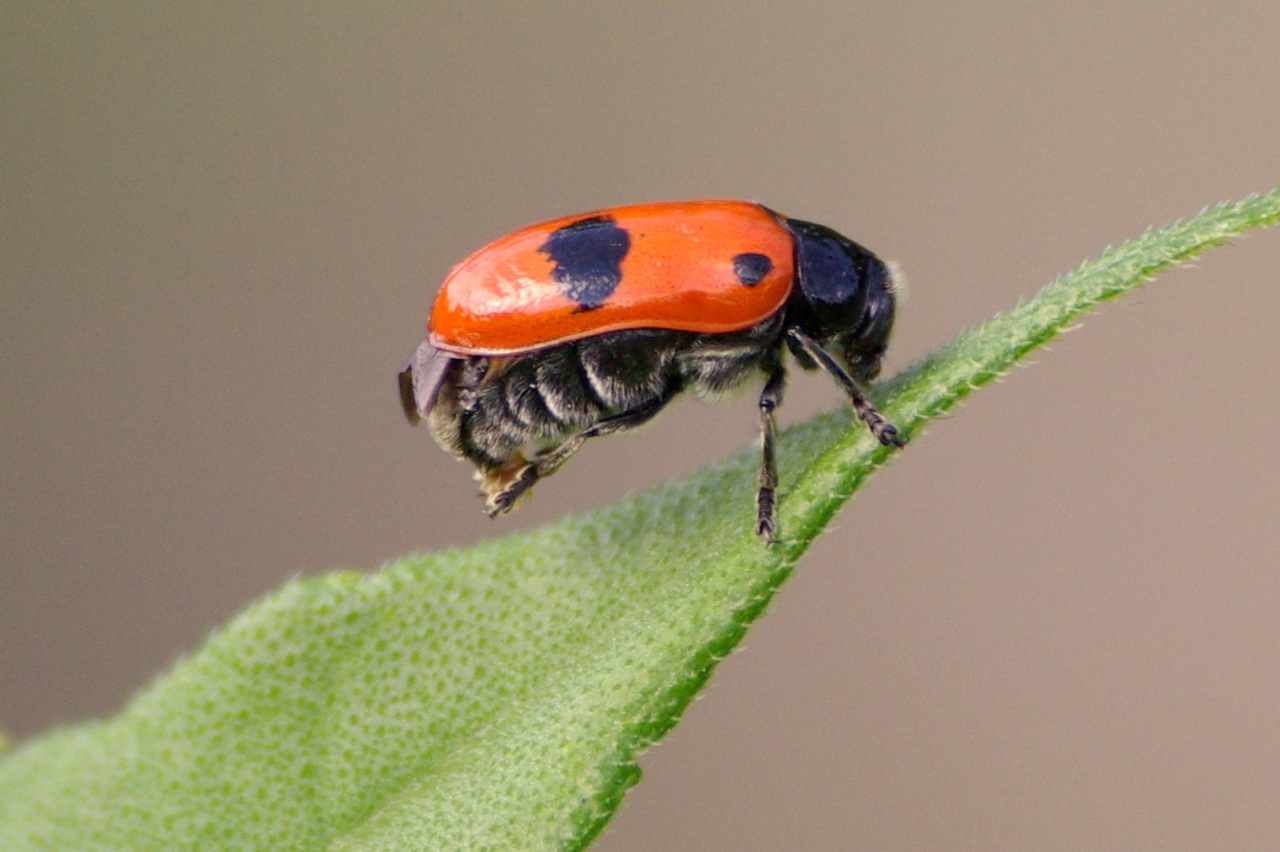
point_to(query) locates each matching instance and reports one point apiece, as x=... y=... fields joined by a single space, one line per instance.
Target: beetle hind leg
x=503 y=485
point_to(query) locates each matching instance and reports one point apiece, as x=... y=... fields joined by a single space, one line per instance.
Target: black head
x=844 y=295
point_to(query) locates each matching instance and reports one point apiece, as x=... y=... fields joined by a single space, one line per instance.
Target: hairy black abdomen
x=491 y=408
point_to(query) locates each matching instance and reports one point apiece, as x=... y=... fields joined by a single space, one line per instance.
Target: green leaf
x=497 y=697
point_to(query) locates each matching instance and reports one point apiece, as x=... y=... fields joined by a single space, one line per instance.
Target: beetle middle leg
x=546 y=463
x=767 y=482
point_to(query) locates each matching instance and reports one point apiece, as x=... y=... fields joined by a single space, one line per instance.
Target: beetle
x=589 y=325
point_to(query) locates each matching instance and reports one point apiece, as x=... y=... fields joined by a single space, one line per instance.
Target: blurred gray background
x=1053 y=622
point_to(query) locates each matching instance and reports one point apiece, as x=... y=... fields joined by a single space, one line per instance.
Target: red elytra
x=678 y=273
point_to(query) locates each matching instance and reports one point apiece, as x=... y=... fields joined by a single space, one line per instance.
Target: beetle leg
x=503 y=484
x=546 y=463
x=884 y=431
x=767 y=482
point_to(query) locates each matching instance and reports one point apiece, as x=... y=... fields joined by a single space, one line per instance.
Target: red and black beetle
x=589 y=325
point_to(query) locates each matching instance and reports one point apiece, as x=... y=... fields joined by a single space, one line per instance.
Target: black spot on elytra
x=587 y=257
x=751 y=268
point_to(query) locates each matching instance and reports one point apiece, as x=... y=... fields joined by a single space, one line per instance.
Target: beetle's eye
x=865 y=365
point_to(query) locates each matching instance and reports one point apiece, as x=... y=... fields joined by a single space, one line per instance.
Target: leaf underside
x=497 y=697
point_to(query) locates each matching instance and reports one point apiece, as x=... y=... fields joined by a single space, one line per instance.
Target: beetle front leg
x=884 y=431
